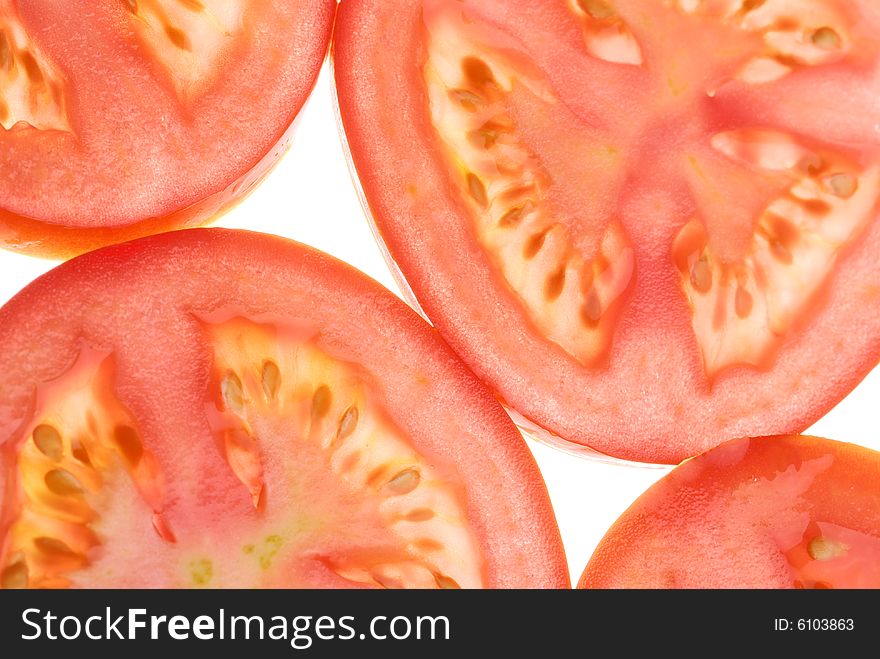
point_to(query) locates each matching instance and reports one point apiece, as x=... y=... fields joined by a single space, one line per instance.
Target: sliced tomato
x=121 y=118
x=779 y=512
x=650 y=225
x=220 y=408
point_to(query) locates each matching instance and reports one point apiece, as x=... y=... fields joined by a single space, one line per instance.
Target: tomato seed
x=419 y=515
x=446 y=582
x=233 y=395
x=826 y=549
x=591 y=311
x=14 y=576
x=477 y=72
x=477 y=189
x=743 y=302
x=53 y=547
x=534 y=244
x=48 y=441
x=511 y=217
x=178 y=38
x=31 y=68
x=347 y=422
x=597 y=8
x=701 y=275
x=466 y=99
x=404 y=482
x=129 y=444
x=321 y=402
x=843 y=185
x=5 y=52
x=271 y=379
x=826 y=39
x=62 y=482
x=555 y=284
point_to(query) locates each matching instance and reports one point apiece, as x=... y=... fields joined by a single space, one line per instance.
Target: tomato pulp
x=649 y=225
x=120 y=118
x=780 y=512
x=221 y=408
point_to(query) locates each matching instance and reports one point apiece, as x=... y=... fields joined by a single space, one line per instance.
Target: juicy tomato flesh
x=782 y=512
x=119 y=119
x=291 y=471
x=637 y=190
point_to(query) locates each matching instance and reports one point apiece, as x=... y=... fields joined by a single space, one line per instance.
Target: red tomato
x=222 y=408
x=781 y=512
x=122 y=118
x=650 y=225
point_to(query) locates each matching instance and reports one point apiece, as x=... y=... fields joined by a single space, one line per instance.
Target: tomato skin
x=190 y=183
x=743 y=515
x=137 y=300
x=651 y=401
x=37 y=238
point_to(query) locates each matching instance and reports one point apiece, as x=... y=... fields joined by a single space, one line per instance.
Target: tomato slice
x=221 y=408
x=780 y=512
x=121 y=118
x=649 y=225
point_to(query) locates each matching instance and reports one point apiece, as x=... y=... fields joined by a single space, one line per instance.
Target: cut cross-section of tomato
x=121 y=118
x=643 y=222
x=778 y=512
x=222 y=408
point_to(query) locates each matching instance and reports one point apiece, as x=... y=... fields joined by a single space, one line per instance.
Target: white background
x=310 y=197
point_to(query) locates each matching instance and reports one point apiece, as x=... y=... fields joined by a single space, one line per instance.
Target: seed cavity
x=403 y=482
x=62 y=482
x=32 y=88
x=270 y=378
x=129 y=444
x=48 y=440
x=826 y=549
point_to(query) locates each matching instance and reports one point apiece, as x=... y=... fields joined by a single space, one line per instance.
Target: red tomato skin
x=705 y=525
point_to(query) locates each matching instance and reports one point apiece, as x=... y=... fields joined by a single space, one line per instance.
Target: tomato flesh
x=259 y=430
x=123 y=119
x=629 y=217
x=782 y=512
